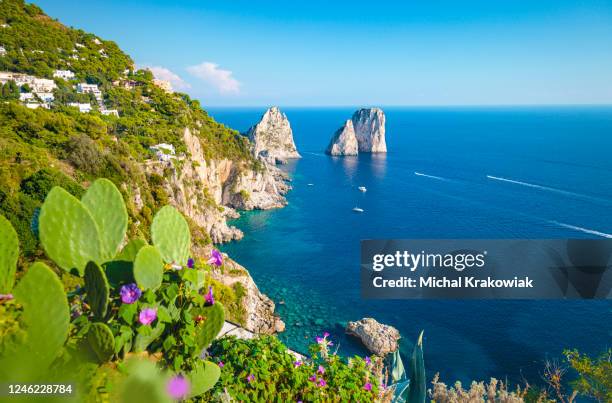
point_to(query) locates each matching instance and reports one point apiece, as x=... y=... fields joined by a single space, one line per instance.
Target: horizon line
x=551 y=105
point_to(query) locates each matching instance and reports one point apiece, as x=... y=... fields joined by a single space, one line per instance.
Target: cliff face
x=272 y=137
x=344 y=141
x=369 y=127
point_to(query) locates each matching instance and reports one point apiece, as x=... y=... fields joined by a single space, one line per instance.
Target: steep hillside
x=72 y=109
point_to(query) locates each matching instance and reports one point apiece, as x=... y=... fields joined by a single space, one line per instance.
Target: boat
x=311 y=184
x=357 y=210
x=362 y=188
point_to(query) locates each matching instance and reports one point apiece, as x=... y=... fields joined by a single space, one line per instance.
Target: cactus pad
x=9 y=252
x=148 y=268
x=105 y=203
x=68 y=231
x=203 y=377
x=97 y=289
x=45 y=314
x=101 y=341
x=213 y=319
x=129 y=251
x=170 y=233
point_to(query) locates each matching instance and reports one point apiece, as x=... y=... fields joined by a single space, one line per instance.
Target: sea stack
x=369 y=124
x=272 y=138
x=363 y=133
x=344 y=141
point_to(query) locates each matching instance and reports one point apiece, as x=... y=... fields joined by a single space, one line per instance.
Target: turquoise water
x=306 y=256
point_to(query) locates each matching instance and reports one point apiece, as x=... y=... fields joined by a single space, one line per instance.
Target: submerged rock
x=379 y=338
x=369 y=124
x=272 y=137
x=344 y=141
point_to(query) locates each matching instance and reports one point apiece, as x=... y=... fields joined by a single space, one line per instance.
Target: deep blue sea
x=306 y=256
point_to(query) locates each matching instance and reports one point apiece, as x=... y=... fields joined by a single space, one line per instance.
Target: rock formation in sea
x=272 y=138
x=369 y=124
x=379 y=338
x=344 y=141
x=364 y=133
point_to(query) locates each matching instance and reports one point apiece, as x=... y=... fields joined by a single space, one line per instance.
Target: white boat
x=311 y=184
x=357 y=210
x=362 y=188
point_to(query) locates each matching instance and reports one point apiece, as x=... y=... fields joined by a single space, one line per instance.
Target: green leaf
x=102 y=341
x=214 y=318
x=97 y=290
x=68 y=231
x=144 y=338
x=9 y=253
x=105 y=203
x=148 y=268
x=170 y=233
x=127 y=312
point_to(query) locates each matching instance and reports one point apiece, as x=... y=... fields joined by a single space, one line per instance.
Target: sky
x=347 y=53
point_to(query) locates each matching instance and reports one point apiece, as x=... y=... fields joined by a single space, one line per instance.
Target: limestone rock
x=344 y=141
x=380 y=339
x=272 y=137
x=369 y=124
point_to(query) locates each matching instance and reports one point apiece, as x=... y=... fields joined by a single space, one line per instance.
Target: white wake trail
x=547 y=188
x=430 y=176
x=581 y=229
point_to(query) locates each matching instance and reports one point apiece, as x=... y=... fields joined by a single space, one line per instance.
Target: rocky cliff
x=344 y=141
x=369 y=127
x=272 y=138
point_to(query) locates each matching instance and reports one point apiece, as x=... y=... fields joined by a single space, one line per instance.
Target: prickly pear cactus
x=148 y=268
x=129 y=251
x=101 y=341
x=203 y=377
x=170 y=234
x=97 y=289
x=213 y=319
x=147 y=336
x=68 y=231
x=417 y=389
x=105 y=203
x=9 y=252
x=45 y=314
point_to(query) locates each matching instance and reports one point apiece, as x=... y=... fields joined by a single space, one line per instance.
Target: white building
x=83 y=107
x=109 y=112
x=65 y=74
x=163 y=151
x=26 y=96
x=45 y=96
x=36 y=105
x=35 y=83
x=2 y=50
x=164 y=85
x=84 y=88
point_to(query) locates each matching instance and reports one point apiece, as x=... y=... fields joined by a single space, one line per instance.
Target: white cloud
x=165 y=74
x=220 y=79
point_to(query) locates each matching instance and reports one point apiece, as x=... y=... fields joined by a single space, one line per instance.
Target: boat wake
x=547 y=188
x=430 y=176
x=581 y=229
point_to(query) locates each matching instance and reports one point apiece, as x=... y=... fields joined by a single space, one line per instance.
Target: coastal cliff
x=344 y=141
x=272 y=138
x=369 y=124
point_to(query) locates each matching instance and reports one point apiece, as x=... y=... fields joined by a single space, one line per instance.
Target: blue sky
x=315 y=53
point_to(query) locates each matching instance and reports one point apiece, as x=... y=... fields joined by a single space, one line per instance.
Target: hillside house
x=64 y=74
x=83 y=107
x=26 y=96
x=164 y=85
x=109 y=112
x=2 y=50
x=84 y=88
x=163 y=151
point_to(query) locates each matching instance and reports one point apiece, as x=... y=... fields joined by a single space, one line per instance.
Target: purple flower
x=325 y=334
x=177 y=387
x=147 y=316
x=250 y=378
x=368 y=361
x=319 y=339
x=367 y=386
x=130 y=293
x=190 y=263
x=322 y=382
x=313 y=378
x=6 y=297
x=321 y=370
x=221 y=364
x=297 y=364
x=216 y=259
x=209 y=298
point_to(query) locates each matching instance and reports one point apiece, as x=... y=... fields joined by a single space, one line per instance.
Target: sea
x=450 y=172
